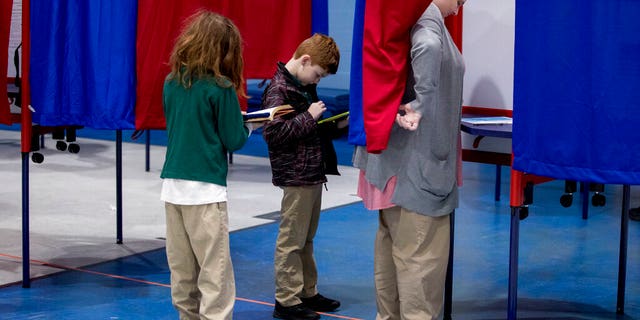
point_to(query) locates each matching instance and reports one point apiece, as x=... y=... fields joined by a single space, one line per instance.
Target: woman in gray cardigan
x=413 y=182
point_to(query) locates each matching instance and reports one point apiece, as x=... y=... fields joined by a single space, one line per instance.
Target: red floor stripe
x=57 y=266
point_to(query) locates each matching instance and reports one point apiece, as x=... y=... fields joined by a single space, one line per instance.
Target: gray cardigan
x=425 y=160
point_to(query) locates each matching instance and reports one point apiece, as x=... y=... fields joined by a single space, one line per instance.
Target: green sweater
x=203 y=123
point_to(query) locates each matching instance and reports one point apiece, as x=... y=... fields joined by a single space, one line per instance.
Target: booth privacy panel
x=577 y=90
x=83 y=63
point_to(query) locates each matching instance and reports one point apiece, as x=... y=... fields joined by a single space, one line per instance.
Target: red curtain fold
x=271 y=31
x=386 y=44
x=454 y=25
x=5 y=28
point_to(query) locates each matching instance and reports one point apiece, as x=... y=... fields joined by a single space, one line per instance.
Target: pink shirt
x=372 y=197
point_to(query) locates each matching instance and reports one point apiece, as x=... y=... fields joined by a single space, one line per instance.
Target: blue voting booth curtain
x=83 y=63
x=577 y=90
x=320 y=16
x=356 y=117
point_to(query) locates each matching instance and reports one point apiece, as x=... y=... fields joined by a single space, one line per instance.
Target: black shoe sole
x=323 y=309
x=278 y=315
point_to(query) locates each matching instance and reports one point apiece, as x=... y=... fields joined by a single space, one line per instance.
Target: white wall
x=15 y=35
x=487 y=46
x=488 y=34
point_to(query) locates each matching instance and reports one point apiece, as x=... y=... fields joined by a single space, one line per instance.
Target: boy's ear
x=305 y=59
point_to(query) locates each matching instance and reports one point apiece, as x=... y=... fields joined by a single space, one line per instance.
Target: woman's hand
x=409 y=119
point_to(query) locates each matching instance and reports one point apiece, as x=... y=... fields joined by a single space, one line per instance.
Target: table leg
x=498 y=181
x=448 y=285
x=512 y=300
x=624 y=235
x=585 y=199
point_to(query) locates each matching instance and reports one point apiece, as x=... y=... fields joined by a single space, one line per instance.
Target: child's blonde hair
x=323 y=51
x=209 y=44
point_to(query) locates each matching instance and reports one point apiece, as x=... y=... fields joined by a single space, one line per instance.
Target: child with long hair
x=204 y=122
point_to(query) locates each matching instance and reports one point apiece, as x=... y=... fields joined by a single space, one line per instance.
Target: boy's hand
x=343 y=123
x=316 y=109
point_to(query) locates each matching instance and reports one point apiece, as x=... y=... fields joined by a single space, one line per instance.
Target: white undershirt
x=188 y=192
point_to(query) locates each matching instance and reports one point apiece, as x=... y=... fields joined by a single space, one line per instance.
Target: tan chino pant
x=295 y=268
x=202 y=281
x=410 y=263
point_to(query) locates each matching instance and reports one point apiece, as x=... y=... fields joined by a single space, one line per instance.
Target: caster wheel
x=566 y=200
x=598 y=200
x=37 y=157
x=61 y=145
x=74 y=148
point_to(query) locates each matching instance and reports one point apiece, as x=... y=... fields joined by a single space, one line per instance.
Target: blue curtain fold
x=320 y=16
x=83 y=63
x=356 y=135
x=577 y=90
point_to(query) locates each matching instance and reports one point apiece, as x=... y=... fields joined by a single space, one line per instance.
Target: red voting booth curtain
x=454 y=25
x=271 y=31
x=5 y=29
x=386 y=45
x=385 y=49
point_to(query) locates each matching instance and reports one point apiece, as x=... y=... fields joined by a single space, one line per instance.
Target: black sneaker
x=320 y=303
x=297 y=312
x=634 y=214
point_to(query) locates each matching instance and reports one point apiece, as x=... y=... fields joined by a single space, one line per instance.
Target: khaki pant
x=295 y=268
x=202 y=282
x=410 y=262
